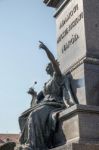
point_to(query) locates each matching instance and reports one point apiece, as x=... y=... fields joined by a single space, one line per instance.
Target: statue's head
x=31 y=91
x=49 y=69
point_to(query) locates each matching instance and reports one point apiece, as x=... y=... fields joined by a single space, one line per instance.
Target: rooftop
x=9 y=137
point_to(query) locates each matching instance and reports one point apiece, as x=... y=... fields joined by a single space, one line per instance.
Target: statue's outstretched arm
x=51 y=57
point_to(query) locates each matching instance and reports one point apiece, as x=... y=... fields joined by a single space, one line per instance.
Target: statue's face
x=49 y=69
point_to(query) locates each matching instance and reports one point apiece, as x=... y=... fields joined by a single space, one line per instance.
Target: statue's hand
x=42 y=45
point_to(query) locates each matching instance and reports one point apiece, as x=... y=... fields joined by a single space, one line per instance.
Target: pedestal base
x=79 y=124
x=76 y=146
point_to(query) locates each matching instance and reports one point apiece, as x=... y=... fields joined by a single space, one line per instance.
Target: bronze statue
x=37 y=124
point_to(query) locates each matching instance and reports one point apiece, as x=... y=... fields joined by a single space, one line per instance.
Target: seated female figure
x=39 y=123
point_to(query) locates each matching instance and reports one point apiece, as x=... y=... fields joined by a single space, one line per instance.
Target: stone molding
x=79 y=108
x=76 y=146
x=89 y=60
x=61 y=6
x=51 y=3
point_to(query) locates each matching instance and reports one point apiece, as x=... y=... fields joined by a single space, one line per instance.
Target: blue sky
x=22 y=24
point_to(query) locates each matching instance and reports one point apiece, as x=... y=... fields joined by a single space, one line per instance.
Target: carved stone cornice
x=84 y=59
x=52 y=3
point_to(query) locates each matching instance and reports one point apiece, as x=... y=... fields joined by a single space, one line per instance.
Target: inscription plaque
x=71 y=43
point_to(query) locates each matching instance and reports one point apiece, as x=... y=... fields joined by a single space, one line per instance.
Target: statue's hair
x=52 y=64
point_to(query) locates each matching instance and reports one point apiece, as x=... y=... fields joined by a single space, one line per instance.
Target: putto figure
x=37 y=124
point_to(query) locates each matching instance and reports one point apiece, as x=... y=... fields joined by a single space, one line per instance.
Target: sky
x=22 y=24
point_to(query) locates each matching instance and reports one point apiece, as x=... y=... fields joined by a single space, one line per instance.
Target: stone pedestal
x=77 y=24
x=85 y=82
x=76 y=146
x=80 y=123
x=80 y=126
